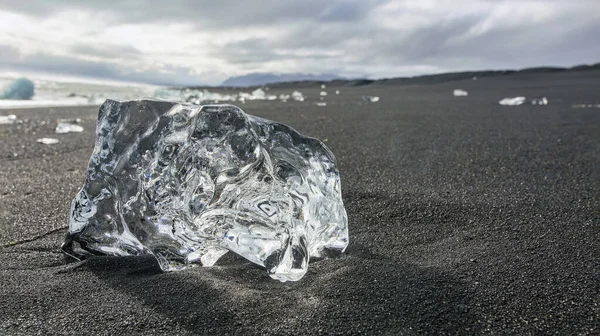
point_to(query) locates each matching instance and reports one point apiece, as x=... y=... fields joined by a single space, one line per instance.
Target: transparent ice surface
x=189 y=183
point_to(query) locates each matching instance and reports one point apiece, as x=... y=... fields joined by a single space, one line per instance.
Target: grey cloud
x=340 y=36
x=45 y=63
x=106 y=51
x=206 y=14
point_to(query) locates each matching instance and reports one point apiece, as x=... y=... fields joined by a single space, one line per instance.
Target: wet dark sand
x=465 y=217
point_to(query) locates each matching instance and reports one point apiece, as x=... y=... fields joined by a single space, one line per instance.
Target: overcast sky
x=193 y=42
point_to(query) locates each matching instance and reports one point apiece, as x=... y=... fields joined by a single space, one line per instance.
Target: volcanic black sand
x=466 y=217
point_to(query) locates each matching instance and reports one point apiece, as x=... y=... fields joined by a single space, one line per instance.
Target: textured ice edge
x=188 y=183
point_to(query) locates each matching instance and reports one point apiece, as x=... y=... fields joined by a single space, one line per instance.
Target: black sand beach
x=466 y=217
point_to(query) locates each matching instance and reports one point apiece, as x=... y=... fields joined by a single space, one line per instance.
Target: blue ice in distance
x=20 y=89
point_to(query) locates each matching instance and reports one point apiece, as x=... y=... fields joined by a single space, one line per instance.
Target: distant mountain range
x=285 y=80
x=256 y=79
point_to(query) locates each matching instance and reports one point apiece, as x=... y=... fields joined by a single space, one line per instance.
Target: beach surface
x=465 y=217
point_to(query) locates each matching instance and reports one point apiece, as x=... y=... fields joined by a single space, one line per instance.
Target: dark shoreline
x=592 y=69
x=466 y=217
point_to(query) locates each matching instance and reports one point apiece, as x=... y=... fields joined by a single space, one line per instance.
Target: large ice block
x=189 y=183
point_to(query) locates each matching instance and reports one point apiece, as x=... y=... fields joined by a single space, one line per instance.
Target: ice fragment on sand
x=512 y=101
x=323 y=86
x=370 y=99
x=321 y=104
x=48 y=141
x=258 y=94
x=67 y=128
x=539 y=101
x=460 y=93
x=323 y=93
x=9 y=119
x=297 y=96
x=337 y=92
x=189 y=183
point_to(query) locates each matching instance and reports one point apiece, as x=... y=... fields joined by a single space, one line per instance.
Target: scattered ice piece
x=271 y=97
x=460 y=93
x=370 y=99
x=323 y=86
x=586 y=106
x=474 y=77
x=188 y=183
x=67 y=128
x=284 y=97
x=297 y=96
x=9 y=119
x=516 y=101
x=337 y=92
x=539 y=101
x=48 y=141
x=258 y=94
x=323 y=93
x=321 y=104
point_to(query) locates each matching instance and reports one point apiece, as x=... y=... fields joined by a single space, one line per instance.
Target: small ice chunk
x=258 y=94
x=321 y=104
x=48 y=141
x=63 y=127
x=9 y=119
x=284 y=97
x=297 y=96
x=460 y=93
x=512 y=101
x=323 y=86
x=323 y=93
x=370 y=99
x=539 y=101
x=337 y=92
x=271 y=97
x=586 y=106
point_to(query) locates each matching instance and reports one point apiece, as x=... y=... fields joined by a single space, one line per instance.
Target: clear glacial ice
x=188 y=183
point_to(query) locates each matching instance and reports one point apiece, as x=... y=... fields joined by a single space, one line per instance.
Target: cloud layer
x=191 y=42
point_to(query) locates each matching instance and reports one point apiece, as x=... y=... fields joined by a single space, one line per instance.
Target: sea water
x=76 y=92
